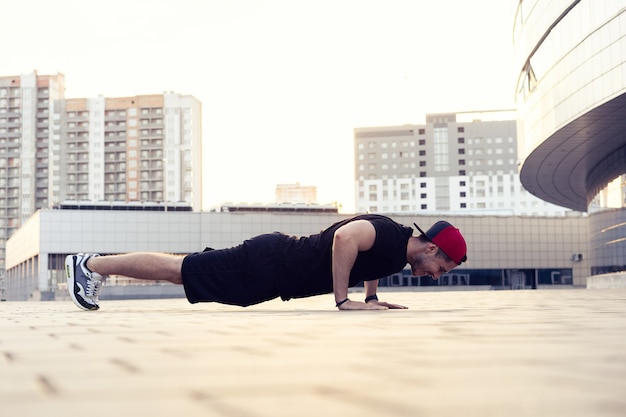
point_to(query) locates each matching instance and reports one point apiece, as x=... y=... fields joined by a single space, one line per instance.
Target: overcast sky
x=283 y=82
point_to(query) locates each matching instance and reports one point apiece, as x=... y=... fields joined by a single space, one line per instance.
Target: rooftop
x=490 y=353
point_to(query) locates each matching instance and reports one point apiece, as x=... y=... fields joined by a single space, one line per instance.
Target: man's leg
x=86 y=273
x=141 y=265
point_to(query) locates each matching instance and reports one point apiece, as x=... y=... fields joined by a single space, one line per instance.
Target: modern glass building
x=571 y=99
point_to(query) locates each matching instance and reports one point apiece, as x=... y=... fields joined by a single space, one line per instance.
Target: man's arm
x=348 y=241
x=370 y=288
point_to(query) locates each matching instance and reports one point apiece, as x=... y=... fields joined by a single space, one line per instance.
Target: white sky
x=283 y=82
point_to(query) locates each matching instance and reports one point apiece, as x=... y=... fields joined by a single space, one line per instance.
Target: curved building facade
x=571 y=100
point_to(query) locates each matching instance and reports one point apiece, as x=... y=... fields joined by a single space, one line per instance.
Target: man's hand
x=357 y=305
x=388 y=305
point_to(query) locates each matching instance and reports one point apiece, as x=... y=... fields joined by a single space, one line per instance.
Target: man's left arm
x=371 y=298
x=348 y=241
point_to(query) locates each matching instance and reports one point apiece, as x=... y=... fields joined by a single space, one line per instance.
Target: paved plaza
x=479 y=353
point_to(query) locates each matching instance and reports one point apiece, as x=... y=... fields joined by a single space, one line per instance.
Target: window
x=440 y=136
x=422 y=142
x=422 y=173
x=421 y=131
x=460 y=129
x=460 y=140
x=462 y=194
x=422 y=153
x=422 y=163
x=461 y=151
x=463 y=205
x=462 y=172
x=422 y=185
x=423 y=195
x=424 y=206
x=461 y=161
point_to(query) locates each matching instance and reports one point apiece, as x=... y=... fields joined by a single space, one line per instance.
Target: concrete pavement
x=488 y=353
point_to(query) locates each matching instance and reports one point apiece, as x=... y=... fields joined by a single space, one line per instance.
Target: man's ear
x=431 y=248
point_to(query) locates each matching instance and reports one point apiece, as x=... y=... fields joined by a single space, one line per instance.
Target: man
x=359 y=249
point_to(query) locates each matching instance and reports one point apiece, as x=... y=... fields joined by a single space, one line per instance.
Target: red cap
x=449 y=239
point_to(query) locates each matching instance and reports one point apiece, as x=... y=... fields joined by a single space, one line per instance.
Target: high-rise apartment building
x=459 y=163
x=25 y=125
x=141 y=148
x=144 y=148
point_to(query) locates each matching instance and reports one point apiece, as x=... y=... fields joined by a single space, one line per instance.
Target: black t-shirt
x=303 y=266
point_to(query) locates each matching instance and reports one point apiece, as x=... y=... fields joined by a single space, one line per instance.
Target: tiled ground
x=492 y=353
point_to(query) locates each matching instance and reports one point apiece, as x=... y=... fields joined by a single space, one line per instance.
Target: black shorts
x=228 y=276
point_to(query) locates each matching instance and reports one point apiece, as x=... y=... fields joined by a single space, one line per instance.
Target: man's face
x=428 y=263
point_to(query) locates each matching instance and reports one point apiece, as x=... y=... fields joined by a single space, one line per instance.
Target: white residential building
x=455 y=162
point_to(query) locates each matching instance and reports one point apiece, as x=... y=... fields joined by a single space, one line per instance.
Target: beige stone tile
x=513 y=353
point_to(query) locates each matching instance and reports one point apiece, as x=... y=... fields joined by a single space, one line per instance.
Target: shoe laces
x=93 y=287
x=95 y=281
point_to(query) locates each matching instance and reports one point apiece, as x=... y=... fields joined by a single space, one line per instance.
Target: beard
x=417 y=266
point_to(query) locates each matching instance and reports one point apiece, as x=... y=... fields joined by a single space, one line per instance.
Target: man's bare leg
x=141 y=265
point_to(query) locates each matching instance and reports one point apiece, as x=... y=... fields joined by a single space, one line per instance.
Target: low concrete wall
x=125 y=292
x=614 y=280
x=139 y=292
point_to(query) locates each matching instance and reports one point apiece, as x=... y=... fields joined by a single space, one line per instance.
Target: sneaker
x=83 y=284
